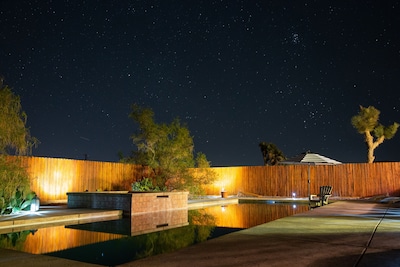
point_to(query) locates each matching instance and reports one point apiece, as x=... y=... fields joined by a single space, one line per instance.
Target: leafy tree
x=14 y=137
x=366 y=122
x=203 y=174
x=271 y=153
x=200 y=228
x=168 y=150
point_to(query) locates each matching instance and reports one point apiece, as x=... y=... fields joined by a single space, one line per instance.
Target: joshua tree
x=366 y=122
x=271 y=153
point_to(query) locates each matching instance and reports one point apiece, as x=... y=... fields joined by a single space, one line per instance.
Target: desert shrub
x=15 y=193
x=146 y=184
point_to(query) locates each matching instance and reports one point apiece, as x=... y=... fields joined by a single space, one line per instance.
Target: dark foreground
x=345 y=233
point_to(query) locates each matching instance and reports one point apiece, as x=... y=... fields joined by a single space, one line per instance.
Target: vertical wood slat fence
x=52 y=178
x=348 y=180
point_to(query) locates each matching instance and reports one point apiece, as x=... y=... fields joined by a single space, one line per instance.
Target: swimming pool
x=117 y=242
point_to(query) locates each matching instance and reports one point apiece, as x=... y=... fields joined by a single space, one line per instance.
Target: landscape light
x=35 y=204
x=224 y=194
x=293 y=195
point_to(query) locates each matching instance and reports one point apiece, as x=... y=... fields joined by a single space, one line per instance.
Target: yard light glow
x=293 y=195
x=224 y=194
x=35 y=204
x=33 y=207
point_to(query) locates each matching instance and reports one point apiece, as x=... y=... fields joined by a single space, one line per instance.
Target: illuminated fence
x=348 y=180
x=52 y=178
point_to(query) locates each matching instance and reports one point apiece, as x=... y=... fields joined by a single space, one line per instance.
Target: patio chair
x=322 y=198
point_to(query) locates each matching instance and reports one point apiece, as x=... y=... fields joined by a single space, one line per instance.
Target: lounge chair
x=322 y=198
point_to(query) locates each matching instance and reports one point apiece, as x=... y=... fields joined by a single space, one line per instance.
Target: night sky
x=292 y=73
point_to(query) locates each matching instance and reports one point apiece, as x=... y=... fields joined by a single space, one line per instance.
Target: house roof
x=310 y=158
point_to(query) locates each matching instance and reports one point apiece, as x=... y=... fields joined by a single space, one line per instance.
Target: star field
x=236 y=72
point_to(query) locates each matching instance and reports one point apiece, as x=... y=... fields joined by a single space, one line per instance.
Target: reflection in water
x=117 y=242
x=247 y=215
x=45 y=240
x=139 y=224
x=131 y=248
x=14 y=240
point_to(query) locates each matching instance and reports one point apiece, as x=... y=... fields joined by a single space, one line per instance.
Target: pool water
x=117 y=242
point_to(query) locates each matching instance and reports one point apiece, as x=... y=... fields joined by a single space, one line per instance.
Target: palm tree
x=271 y=153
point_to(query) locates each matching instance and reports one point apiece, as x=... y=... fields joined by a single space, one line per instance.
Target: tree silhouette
x=271 y=153
x=168 y=150
x=366 y=122
x=15 y=138
x=14 y=135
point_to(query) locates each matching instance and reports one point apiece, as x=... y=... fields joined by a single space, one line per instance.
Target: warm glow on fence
x=226 y=180
x=348 y=180
x=52 y=178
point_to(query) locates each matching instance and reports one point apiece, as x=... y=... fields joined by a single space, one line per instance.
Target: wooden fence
x=348 y=180
x=52 y=178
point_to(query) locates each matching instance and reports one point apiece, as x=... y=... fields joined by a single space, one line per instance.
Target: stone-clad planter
x=131 y=203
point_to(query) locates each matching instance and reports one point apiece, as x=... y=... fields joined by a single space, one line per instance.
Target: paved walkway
x=345 y=233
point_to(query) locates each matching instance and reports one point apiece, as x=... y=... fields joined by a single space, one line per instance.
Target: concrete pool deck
x=53 y=215
x=344 y=233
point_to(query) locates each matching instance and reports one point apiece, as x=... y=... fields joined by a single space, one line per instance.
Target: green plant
x=20 y=202
x=167 y=149
x=14 y=240
x=14 y=135
x=15 y=193
x=146 y=184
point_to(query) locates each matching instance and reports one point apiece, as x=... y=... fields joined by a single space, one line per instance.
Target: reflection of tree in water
x=199 y=229
x=203 y=224
x=15 y=240
x=119 y=251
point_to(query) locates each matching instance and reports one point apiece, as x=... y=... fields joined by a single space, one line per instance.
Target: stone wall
x=161 y=201
x=131 y=203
